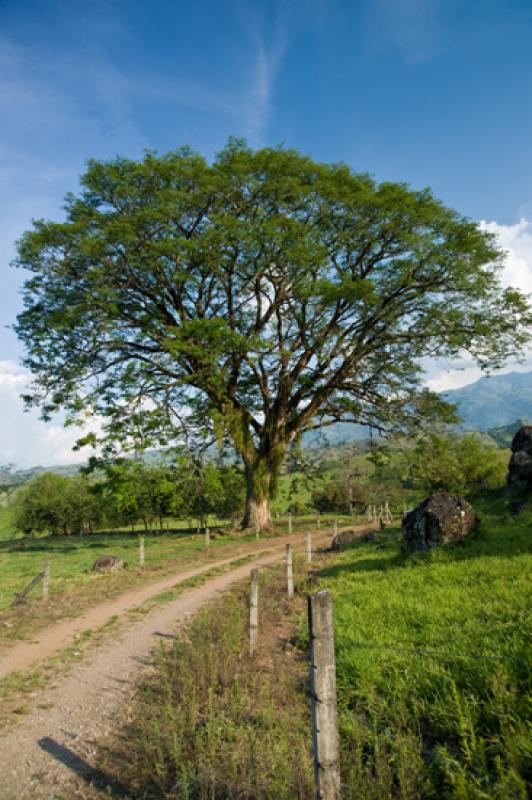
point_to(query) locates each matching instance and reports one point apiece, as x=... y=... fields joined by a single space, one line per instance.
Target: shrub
x=337 y=497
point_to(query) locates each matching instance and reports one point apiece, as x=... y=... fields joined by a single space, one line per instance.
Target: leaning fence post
x=290 y=523
x=141 y=551
x=289 y=571
x=309 y=547
x=46 y=580
x=323 y=697
x=254 y=610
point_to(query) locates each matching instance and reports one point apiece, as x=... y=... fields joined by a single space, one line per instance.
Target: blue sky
x=432 y=92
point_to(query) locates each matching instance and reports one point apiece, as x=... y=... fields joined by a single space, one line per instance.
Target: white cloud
x=11 y=376
x=516 y=240
x=24 y=438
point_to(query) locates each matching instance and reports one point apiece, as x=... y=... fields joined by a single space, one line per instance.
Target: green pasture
x=433 y=664
x=71 y=557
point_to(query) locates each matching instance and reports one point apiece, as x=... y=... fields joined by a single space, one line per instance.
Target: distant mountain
x=499 y=405
x=494 y=401
x=333 y=435
x=13 y=477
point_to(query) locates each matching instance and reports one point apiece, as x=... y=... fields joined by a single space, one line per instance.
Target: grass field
x=73 y=587
x=433 y=671
x=433 y=664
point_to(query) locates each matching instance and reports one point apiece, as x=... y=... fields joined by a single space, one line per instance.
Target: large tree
x=261 y=295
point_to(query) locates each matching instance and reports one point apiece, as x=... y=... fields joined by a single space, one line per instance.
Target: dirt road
x=47 y=754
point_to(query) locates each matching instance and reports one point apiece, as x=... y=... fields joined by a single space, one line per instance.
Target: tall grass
x=212 y=722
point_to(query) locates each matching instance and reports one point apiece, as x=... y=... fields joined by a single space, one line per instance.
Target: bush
x=336 y=497
x=298 y=509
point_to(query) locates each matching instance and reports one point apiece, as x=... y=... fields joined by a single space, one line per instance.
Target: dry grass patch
x=210 y=721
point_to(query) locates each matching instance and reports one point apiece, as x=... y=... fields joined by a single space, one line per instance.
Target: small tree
x=260 y=296
x=231 y=503
x=338 y=496
x=459 y=464
x=57 y=504
x=38 y=506
x=138 y=491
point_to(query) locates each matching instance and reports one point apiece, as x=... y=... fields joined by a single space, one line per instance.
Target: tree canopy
x=258 y=296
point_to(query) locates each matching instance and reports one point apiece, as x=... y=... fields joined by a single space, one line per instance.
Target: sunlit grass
x=433 y=664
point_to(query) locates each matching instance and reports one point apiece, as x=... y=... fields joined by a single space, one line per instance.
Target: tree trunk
x=257 y=514
x=259 y=482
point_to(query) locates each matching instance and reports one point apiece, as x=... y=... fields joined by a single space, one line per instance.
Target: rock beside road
x=108 y=564
x=441 y=519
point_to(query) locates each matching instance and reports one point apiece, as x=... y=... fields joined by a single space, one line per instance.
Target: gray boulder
x=520 y=467
x=441 y=519
x=108 y=564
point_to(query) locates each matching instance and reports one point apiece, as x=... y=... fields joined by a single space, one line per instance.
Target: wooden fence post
x=318 y=520
x=309 y=547
x=335 y=527
x=289 y=523
x=289 y=571
x=323 y=697
x=254 y=610
x=207 y=538
x=46 y=580
x=141 y=551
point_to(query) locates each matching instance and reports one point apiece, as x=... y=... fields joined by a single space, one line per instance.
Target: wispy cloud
x=267 y=63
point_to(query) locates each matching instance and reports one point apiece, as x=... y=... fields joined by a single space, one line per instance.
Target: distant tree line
x=129 y=493
x=400 y=467
x=457 y=463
